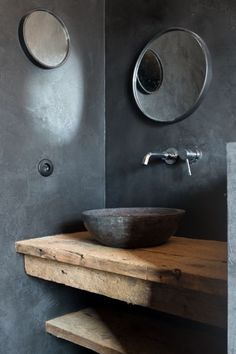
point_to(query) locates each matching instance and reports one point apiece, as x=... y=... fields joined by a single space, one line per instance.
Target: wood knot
x=177 y=273
x=41 y=252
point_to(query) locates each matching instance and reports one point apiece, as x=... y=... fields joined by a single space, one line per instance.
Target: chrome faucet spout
x=149 y=155
x=170 y=156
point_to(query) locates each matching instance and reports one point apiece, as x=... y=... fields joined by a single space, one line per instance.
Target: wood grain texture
x=182 y=263
x=194 y=305
x=109 y=331
x=184 y=277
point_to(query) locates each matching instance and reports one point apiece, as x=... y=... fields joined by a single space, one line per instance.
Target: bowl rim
x=134 y=212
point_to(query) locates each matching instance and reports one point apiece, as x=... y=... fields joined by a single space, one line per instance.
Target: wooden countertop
x=185 y=277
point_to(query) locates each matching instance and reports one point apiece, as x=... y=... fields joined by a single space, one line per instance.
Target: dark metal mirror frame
x=27 y=51
x=208 y=75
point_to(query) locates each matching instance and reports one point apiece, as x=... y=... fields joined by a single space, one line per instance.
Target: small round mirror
x=172 y=75
x=149 y=72
x=44 y=39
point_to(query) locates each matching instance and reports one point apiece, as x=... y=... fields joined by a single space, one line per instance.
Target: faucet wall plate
x=192 y=155
x=172 y=156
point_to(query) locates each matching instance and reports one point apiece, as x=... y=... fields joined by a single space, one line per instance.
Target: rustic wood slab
x=182 y=262
x=109 y=331
x=185 y=277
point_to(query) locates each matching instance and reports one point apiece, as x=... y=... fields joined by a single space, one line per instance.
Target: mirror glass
x=149 y=72
x=44 y=39
x=172 y=75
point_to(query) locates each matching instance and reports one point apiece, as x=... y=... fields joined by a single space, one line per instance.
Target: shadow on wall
x=203 y=218
x=141 y=330
x=166 y=333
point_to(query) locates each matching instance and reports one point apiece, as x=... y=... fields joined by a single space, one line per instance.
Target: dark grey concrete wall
x=231 y=150
x=129 y=26
x=56 y=114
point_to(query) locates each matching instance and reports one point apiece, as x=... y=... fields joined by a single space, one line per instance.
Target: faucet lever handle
x=190 y=156
x=188 y=167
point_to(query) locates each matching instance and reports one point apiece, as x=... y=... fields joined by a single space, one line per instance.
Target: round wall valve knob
x=45 y=168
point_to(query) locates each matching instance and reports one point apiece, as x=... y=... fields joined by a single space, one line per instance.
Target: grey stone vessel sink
x=132 y=227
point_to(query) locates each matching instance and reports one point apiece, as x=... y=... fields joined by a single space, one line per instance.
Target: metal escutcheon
x=45 y=168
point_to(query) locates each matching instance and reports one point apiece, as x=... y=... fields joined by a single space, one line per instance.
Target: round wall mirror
x=44 y=39
x=150 y=73
x=172 y=75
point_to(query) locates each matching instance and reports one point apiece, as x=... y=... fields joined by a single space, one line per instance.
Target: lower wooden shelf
x=110 y=331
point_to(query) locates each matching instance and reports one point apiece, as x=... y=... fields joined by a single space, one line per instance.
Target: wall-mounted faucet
x=171 y=155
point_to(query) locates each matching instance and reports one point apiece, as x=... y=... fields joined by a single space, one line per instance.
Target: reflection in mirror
x=44 y=39
x=172 y=75
x=149 y=73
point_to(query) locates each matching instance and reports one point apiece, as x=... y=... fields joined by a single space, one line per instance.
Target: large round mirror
x=44 y=39
x=172 y=75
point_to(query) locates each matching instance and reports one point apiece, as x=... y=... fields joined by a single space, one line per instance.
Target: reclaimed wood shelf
x=184 y=277
x=110 y=331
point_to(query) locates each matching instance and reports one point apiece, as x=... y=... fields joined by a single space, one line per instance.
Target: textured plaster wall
x=129 y=26
x=56 y=114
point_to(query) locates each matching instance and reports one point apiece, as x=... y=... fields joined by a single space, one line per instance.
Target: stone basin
x=132 y=227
